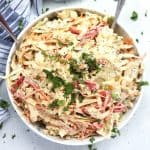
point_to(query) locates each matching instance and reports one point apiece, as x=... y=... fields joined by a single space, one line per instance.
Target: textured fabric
x=15 y=12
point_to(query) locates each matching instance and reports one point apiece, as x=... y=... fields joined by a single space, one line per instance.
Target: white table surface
x=136 y=134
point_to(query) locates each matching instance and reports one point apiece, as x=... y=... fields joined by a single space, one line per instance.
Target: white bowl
x=126 y=117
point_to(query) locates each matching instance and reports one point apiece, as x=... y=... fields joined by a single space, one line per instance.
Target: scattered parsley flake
x=110 y=20
x=68 y=89
x=1 y=125
x=13 y=136
x=20 y=24
x=74 y=69
x=4 y=104
x=137 y=40
x=115 y=132
x=66 y=108
x=115 y=96
x=142 y=83
x=56 y=81
x=90 y=146
x=145 y=13
x=91 y=62
x=44 y=10
x=56 y=103
x=81 y=98
x=142 y=33
x=134 y=16
x=92 y=139
x=4 y=135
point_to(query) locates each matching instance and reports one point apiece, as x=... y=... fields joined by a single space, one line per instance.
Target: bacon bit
x=68 y=56
x=103 y=61
x=16 y=85
x=91 y=85
x=37 y=88
x=128 y=41
x=74 y=30
x=32 y=84
x=119 y=107
x=82 y=66
x=106 y=98
x=97 y=125
x=39 y=107
x=91 y=34
x=19 y=95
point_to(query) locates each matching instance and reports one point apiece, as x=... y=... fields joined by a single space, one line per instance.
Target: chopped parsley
x=142 y=33
x=37 y=77
x=73 y=98
x=44 y=10
x=142 y=83
x=145 y=13
x=4 y=104
x=56 y=103
x=91 y=62
x=134 y=16
x=13 y=136
x=1 y=125
x=68 y=89
x=90 y=146
x=115 y=132
x=92 y=139
x=137 y=40
x=56 y=81
x=80 y=97
x=4 y=135
x=61 y=44
x=110 y=20
x=74 y=69
x=66 y=108
x=115 y=96
x=20 y=24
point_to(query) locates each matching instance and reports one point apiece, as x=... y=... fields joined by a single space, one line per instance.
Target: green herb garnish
x=142 y=33
x=13 y=136
x=37 y=77
x=56 y=81
x=145 y=13
x=74 y=69
x=1 y=125
x=80 y=97
x=68 y=89
x=110 y=20
x=4 y=104
x=90 y=146
x=92 y=139
x=137 y=40
x=20 y=24
x=91 y=62
x=44 y=10
x=142 y=83
x=66 y=108
x=56 y=103
x=134 y=16
x=73 y=98
x=4 y=135
x=115 y=132
x=115 y=96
